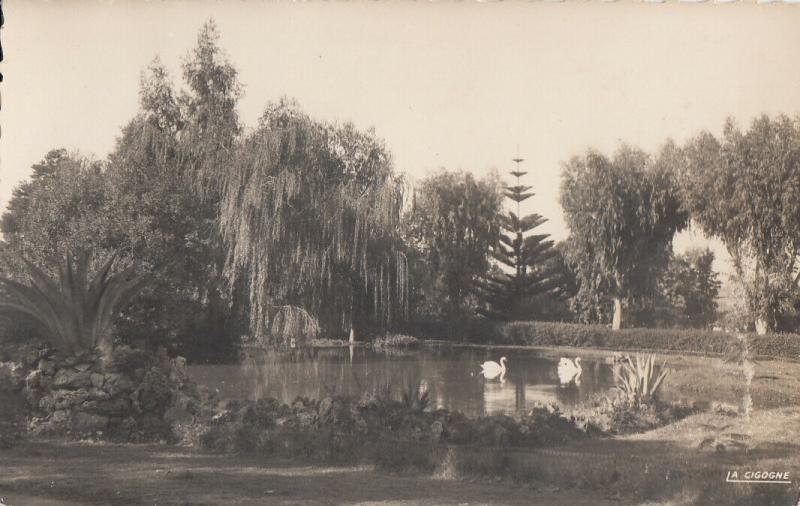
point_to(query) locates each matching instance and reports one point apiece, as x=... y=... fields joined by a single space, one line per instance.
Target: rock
x=97 y=394
x=47 y=367
x=34 y=379
x=63 y=399
x=119 y=406
x=83 y=367
x=67 y=378
x=59 y=416
x=87 y=422
x=47 y=403
x=97 y=379
x=116 y=384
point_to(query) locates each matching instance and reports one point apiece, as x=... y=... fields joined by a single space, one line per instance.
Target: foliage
x=348 y=430
x=720 y=439
x=622 y=214
x=743 y=188
x=690 y=288
x=152 y=202
x=679 y=340
x=415 y=399
x=74 y=311
x=162 y=175
x=309 y=214
x=619 y=413
x=396 y=340
x=505 y=295
x=452 y=227
x=58 y=210
x=638 y=379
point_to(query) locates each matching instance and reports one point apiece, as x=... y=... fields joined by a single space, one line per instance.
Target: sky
x=452 y=85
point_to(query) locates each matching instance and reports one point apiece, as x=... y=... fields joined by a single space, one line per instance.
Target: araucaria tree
x=622 y=214
x=745 y=190
x=505 y=294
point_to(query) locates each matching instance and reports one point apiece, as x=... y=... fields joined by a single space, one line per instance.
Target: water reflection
x=450 y=374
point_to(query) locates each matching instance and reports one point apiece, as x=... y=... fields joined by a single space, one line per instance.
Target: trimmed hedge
x=533 y=333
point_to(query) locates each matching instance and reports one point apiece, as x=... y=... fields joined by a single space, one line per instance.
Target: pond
x=449 y=373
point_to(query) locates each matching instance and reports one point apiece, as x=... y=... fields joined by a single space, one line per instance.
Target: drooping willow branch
x=307 y=227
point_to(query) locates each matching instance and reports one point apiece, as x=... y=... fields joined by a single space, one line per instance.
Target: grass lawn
x=59 y=474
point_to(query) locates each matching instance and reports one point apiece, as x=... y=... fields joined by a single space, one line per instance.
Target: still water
x=450 y=374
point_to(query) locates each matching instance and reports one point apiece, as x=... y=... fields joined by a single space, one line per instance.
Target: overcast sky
x=455 y=85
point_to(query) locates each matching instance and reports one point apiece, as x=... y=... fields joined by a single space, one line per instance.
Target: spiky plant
x=720 y=439
x=415 y=398
x=73 y=311
x=638 y=378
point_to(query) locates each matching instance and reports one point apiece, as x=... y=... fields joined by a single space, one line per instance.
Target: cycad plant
x=638 y=379
x=73 y=311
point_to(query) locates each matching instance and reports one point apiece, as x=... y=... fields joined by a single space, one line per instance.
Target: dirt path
x=72 y=474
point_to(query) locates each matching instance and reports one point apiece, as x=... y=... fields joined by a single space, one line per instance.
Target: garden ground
x=661 y=466
x=76 y=473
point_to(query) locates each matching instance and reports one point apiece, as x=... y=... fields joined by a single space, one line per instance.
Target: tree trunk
x=352 y=335
x=761 y=326
x=616 y=323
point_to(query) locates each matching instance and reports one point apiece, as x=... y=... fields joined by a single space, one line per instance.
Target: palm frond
x=75 y=313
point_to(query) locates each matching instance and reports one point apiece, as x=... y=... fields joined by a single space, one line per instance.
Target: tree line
x=300 y=226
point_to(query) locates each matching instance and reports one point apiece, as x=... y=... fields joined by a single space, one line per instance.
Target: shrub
x=680 y=340
x=396 y=340
x=620 y=414
x=392 y=434
x=328 y=343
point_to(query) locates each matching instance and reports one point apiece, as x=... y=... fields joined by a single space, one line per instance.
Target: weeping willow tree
x=309 y=213
x=296 y=217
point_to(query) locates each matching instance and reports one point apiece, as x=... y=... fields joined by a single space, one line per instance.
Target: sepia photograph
x=399 y=253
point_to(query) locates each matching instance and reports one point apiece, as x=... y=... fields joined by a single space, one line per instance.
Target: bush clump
x=532 y=333
x=392 y=434
x=396 y=340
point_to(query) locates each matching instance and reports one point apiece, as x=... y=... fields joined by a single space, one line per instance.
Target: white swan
x=491 y=369
x=569 y=370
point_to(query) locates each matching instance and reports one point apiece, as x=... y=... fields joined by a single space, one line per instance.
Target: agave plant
x=74 y=311
x=415 y=398
x=638 y=378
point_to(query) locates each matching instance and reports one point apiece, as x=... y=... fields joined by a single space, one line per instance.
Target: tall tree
x=309 y=216
x=454 y=226
x=507 y=295
x=690 y=287
x=622 y=214
x=166 y=174
x=745 y=190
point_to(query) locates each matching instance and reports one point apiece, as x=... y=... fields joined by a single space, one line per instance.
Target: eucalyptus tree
x=744 y=189
x=164 y=178
x=454 y=227
x=622 y=214
x=309 y=216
